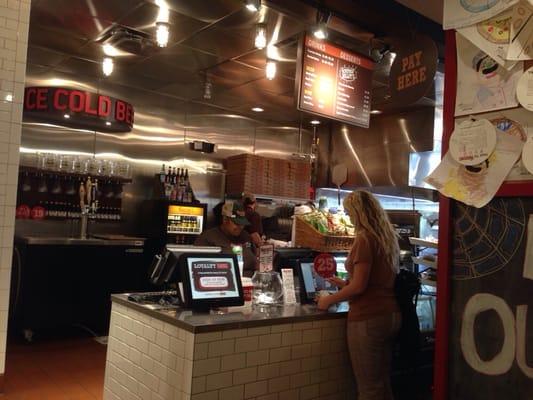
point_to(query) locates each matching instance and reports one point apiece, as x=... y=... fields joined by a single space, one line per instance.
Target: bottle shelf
x=36 y=171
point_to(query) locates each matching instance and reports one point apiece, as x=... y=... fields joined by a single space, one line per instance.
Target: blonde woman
x=374 y=317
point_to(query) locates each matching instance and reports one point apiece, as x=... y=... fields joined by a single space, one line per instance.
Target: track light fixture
x=260 y=36
x=271 y=69
x=320 y=31
x=162 y=33
x=377 y=52
x=253 y=5
x=107 y=66
x=208 y=88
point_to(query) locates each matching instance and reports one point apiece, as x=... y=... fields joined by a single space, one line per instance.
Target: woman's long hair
x=369 y=217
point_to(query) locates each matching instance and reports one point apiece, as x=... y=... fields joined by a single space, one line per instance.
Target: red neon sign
x=84 y=109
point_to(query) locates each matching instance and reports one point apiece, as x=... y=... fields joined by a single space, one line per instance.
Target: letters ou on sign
x=413 y=70
x=325 y=265
x=78 y=109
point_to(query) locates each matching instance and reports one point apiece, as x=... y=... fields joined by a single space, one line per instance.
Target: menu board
x=334 y=82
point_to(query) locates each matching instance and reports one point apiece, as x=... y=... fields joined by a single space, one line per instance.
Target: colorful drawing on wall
x=521 y=35
x=482 y=84
x=477 y=185
x=477 y=6
x=516 y=122
x=485 y=239
x=461 y=13
x=492 y=37
x=491 y=328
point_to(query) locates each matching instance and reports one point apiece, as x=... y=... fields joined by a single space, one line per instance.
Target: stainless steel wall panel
x=379 y=156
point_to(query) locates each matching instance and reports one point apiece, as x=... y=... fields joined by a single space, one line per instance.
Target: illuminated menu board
x=334 y=82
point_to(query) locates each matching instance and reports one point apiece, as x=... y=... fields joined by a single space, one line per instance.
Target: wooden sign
x=78 y=109
x=413 y=70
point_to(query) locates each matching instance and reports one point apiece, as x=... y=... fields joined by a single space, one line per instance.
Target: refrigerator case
x=184 y=221
x=173 y=222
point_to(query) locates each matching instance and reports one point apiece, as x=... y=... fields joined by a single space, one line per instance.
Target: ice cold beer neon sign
x=78 y=109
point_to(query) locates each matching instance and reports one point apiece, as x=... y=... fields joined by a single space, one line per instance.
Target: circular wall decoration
x=477 y=6
x=527 y=155
x=473 y=141
x=486 y=239
x=495 y=30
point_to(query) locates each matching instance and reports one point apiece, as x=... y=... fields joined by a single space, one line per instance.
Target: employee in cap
x=230 y=235
x=255 y=228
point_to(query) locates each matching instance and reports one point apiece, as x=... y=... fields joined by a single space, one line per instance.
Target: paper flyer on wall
x=461 y=13
x=521 y=35
x=482 y=84
x=518 y=123
x=477 y=185
x=492 y=37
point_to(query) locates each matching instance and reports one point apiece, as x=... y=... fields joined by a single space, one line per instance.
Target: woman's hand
x=324 y=302
x=336 y=281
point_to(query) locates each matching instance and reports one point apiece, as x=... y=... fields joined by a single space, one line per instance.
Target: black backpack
x=406 y=288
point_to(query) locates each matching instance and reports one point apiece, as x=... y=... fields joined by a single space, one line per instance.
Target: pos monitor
x=310 y=282
x=210 y=280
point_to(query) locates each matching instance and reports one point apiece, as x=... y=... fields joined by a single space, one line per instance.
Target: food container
x=267 y=288
x=247 y=289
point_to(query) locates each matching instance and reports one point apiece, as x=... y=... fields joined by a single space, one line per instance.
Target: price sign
x=266 y=257
x=23 y=211
x=325 y=265
x=37 y=212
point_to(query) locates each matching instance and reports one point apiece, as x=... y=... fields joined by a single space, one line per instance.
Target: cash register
x=194 y=277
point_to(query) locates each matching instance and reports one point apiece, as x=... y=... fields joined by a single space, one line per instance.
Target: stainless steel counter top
x=233 y=317
x=91 y=241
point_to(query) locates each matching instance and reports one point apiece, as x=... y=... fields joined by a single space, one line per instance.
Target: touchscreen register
x=210 y=281
x=212 y=278
x=311 y=282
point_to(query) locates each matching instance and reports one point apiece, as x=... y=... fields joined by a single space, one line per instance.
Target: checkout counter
x=169 y=345
x=159 y=349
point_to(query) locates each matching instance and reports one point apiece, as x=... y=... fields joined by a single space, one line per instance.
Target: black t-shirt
x=216 y=237
x=255 y=222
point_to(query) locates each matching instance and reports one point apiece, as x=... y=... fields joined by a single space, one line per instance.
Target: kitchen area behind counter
x=287 y=351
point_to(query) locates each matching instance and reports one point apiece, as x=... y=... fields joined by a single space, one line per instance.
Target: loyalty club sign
x=78 y=109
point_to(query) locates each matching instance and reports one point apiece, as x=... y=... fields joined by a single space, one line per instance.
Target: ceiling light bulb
x=162 y=34
x=66 y=116
x=107 y=66
x=260 y=37
x=208 y=89
x=271 y=69
x=108 y=123
x=375 y=112
x=315 y=122
x=110 y=50
x=253 y=5
x=321 y=31
x=257 y=109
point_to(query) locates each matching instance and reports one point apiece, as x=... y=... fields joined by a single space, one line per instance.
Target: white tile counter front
x=158 y=355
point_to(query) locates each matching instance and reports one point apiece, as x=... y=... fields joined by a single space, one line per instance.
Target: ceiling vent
x=130 y=41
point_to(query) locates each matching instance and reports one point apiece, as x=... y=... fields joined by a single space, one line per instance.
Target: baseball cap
x=248 y=198
x=235 y=211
